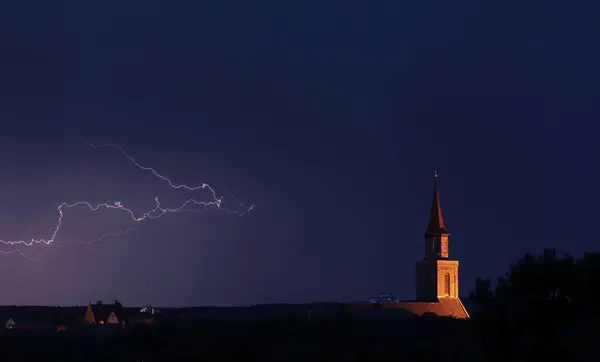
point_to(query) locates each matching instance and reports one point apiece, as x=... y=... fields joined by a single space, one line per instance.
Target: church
x=436 y=274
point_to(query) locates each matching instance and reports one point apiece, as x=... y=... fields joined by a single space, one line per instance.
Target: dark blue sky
x=329 y=116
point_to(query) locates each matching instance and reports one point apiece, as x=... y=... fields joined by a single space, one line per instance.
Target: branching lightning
x=154 y=213
x=101 y=237
x=17 y=251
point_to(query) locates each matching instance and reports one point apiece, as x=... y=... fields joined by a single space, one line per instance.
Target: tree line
x=545 y=306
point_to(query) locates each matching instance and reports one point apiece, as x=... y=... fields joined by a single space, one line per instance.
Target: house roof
x=102 y=311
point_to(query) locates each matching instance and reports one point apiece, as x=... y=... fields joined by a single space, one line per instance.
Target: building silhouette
x=437 y=277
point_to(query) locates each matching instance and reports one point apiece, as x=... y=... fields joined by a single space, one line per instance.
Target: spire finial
x=435 y=173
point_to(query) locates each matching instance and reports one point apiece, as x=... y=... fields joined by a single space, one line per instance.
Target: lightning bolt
x=17 y=251
x=101 y=237
x=154 y=213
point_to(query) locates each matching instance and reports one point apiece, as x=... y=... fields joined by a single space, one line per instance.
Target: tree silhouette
x=483 y=293
x=540 y=297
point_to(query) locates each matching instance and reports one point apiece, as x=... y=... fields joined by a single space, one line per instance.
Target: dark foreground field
x=264 y=338
x=273 y=338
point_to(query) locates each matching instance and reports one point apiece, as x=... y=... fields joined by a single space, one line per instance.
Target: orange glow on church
x=437 y=277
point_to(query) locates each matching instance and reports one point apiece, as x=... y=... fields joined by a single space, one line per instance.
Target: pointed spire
x=436 y=219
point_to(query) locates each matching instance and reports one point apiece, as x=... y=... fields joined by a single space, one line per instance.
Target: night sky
x=329 y=116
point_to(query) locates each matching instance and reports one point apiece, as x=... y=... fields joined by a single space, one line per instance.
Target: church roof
x=454 y=307
x=444 y=307
x=436 y=219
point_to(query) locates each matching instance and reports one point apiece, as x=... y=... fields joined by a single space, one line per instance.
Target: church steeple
x=436 y=219
x=436 y=235
x=437 y=275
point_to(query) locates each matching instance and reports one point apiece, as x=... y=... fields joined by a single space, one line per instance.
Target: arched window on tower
x=447 y=284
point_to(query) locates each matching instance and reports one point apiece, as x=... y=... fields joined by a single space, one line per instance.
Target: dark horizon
x=331 y=122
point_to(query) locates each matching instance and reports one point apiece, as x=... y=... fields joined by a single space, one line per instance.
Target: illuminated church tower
x=437 y=276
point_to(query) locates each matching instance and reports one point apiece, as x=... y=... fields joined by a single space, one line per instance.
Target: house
x=9 y=323
x=149 y=310
x=104 y=314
